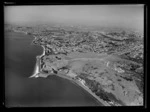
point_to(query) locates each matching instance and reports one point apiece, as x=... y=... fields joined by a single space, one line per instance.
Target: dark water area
x=20 y=59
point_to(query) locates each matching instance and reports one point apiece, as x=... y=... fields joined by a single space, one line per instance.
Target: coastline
x=37 y=73
x=79 y=84
x=36 y=70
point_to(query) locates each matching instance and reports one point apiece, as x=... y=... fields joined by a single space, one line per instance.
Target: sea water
x=22 y=91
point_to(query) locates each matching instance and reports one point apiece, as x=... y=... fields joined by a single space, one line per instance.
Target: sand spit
x=37 y=65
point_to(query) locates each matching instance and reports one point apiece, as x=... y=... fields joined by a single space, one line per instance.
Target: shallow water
x=20 y=59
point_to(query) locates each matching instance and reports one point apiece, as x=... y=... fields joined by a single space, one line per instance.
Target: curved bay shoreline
x=37 y=73
x=30 y=87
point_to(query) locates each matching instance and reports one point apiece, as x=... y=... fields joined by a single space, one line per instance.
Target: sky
x=131 y=16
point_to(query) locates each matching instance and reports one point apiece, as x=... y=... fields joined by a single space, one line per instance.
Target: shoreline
x=37 y=68
x=37 y=73
x=79 y=84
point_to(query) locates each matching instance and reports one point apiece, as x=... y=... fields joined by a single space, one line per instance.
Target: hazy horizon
x=124 y=16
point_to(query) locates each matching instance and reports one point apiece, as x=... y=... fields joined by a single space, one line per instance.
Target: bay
x=21 y=91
